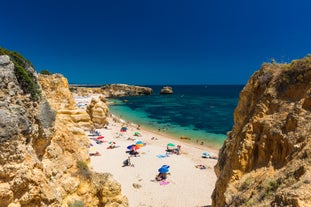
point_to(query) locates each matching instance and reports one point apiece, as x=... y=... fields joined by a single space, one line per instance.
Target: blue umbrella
x=130 y=146
x=164 y=169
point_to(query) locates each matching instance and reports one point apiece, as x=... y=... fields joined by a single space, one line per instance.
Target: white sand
x=188 y=186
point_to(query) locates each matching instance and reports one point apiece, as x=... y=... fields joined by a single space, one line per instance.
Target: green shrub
x=76 y=203
x=272 y=186
x=246 y=183
x=45 y=72
x=26 y=79
x=73 y=89
x=83 y=169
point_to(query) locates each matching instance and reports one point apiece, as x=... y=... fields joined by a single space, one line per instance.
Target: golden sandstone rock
x=98 y=111
x=112 y=90
x=265 y=160
x=41 y=144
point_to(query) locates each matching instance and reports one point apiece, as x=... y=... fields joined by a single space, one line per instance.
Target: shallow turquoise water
x=202 y=113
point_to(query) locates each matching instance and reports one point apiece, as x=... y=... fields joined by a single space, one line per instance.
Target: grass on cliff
x=25 y=78
x=76 y=203
x=83 y=169
x=45 y=72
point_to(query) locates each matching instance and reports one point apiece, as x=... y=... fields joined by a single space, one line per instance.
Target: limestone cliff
x=113 y=90
x=265 y=160
x=43 y=152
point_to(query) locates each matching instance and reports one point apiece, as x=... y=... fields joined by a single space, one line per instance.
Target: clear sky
x=156 y=41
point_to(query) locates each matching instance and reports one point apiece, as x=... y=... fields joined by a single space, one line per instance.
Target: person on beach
x=134 y=153
x=177 y=150
x=127 y=162
x=161 y=176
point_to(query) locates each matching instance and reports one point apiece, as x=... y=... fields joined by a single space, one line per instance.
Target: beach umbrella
x=132 y=147
x=164 y=169
x=137 y=134
x=171 y=145
x=92 y=150
x=129 y=147
x=139 y=143
x=123 y=129
x=100 y=137
x=135 y=147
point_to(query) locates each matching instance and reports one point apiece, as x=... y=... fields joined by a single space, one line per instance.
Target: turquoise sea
x=200 y=112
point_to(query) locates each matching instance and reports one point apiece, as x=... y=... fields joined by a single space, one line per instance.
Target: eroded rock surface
x=265 y=160
x=44 y=157
x=113 y=90
x=166 y=90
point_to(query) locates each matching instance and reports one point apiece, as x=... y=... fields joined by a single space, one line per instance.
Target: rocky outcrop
x=84 y=91
x=166 y=90
x=44 y=154
x=98 y=111
x=113 y=90
x=265 y=160
x=55 y=88
x=116 y=90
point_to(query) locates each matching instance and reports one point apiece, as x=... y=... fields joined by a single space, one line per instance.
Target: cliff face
x=265 y=160
x=43 y=152
x=114 y=90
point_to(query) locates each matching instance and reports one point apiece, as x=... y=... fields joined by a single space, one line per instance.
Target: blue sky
x=156 y=41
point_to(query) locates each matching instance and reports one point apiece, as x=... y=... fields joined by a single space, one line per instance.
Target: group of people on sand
x=173 y=150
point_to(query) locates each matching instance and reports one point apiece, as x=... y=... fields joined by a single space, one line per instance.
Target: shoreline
x=188 y=138
x=206 y=146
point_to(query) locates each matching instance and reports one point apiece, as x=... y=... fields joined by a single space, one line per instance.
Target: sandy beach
x=186 y=185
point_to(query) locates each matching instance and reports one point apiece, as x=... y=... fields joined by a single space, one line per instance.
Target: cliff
x=44 y=153
x=113 y=90
x=265 y=160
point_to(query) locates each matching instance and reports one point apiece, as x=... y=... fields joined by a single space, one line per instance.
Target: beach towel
x=162 y=156
x=164 y=182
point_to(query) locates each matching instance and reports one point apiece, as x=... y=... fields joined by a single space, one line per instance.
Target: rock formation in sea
x=166 y=90
x=113 y=90
x=44 y=157
x=265 y=160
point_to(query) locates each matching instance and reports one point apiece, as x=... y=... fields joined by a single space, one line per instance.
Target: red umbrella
x=135 y=147
x=100 y=137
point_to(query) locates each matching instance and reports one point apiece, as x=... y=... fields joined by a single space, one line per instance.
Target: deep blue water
x=200 y=112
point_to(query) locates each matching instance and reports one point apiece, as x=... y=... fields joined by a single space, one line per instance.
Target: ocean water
x=203 y=113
